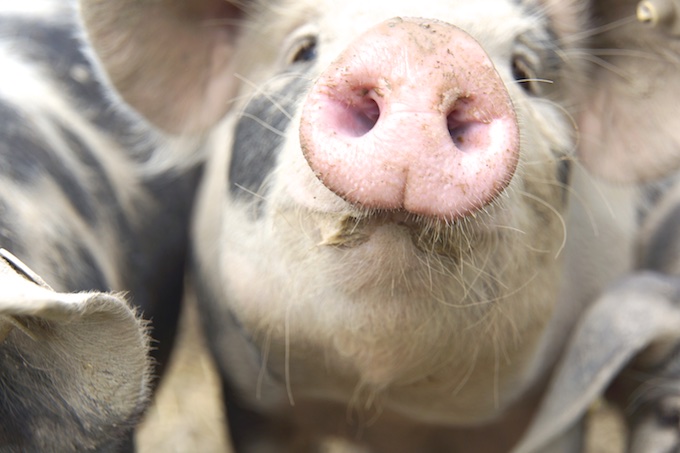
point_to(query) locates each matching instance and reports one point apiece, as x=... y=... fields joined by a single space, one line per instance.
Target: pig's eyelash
x=305 y=50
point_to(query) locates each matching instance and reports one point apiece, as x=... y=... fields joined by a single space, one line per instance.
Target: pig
x=93 y=232
x=417 y=219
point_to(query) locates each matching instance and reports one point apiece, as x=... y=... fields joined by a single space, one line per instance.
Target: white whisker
x=554 y=211
x=598 y=188
x=259 y=89
x=289 y=390
x=250 y=192
x=263 y=366
x=496 y=376
x=263 y=124
x=467 y=375
x=574 y=194
x=600 y=30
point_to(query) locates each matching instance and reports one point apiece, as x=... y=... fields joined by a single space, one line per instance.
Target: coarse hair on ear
x=630 y=120
x=75 y=372
x=168 y=59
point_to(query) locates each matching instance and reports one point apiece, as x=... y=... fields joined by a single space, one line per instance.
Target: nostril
x=467 y=134
x=461 y=136
x=354 y=116
x=361 y=116
x=366 y=114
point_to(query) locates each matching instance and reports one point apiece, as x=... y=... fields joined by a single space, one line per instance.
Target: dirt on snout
x=187 y=415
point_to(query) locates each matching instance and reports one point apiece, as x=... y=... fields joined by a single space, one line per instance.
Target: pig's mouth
x=431 y=236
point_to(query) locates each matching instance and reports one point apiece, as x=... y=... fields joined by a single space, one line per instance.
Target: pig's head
x=383 y=206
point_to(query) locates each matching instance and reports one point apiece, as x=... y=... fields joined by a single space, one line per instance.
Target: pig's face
x=349 y=289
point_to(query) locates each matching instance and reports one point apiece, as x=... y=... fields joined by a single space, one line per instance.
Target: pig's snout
x=412 y=116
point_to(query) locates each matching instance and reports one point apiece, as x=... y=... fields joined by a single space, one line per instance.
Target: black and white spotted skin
x=88 y=203
x=63 y=142
x=416 y=220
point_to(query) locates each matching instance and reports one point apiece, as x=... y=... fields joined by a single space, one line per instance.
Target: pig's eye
x=535 y=61
x=305 y=50
x=524 y=73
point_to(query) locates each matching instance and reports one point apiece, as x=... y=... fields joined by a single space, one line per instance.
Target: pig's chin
x=427 y=235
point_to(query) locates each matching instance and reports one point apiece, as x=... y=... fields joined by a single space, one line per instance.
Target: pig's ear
x=168 y=59
x=630 y=125
x=610 y=337
x=75 y=371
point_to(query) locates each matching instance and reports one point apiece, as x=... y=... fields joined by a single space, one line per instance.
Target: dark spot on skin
x=77 y=268
x=259 y=136
x=148 y=234
x=27 y=158
x=99 y=181
x=55 y=46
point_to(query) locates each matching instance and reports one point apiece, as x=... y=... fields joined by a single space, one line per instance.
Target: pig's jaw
x=369 y=308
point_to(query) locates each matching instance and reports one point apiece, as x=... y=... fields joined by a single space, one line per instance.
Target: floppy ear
x=630 y=123
x=637 y=320
x=74 y=368
x=168 y=59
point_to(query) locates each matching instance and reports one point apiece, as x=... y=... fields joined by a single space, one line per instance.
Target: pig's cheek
x=245 y=282
x=301 y=187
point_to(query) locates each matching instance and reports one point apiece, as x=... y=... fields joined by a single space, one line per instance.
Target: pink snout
x=412 y=116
